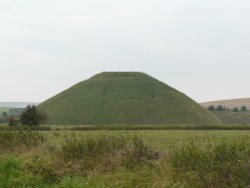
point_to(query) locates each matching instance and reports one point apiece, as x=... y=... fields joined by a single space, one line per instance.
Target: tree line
x=221 y=108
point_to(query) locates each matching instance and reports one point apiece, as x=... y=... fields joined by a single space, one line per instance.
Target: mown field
x=142 y=158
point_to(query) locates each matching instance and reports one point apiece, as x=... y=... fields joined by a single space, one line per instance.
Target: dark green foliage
x=243 y=109
x=124 y=98
x=32 y=116
x=211 y=108
x=223 y=165
x=235 y=109
x=220 y=108
x=5 y=115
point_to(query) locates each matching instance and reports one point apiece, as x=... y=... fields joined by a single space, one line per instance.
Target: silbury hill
x=124 y=98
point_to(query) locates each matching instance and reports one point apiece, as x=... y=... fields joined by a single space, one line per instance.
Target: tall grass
x=10 y=140
x=75 y=148
x=223 y=165
x=120 y=160
x=108 y=151
x=155 y=127
x=23 y=128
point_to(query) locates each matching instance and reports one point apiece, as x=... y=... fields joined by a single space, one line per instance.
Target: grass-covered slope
x=234 y=118
x=124 y=98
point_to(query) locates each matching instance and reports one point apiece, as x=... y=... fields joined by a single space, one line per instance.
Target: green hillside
x=124 y=98
x=234 y=118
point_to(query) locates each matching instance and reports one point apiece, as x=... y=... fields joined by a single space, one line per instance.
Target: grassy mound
x=124 y=98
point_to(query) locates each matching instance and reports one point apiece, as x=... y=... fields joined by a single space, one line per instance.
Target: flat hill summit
x=123 y=98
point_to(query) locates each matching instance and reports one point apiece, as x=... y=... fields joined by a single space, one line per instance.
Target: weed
x=10 y=140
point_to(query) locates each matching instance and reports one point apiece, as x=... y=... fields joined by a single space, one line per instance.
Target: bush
x=235 y=109
x=211 y=108
x=243 y=109
x=13 y=121
x=224 y=165
x=90 y=146
x=107 y=152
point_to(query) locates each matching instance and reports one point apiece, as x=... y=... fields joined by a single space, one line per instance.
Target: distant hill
x=16 y=104
x=229 y=103
x=228 y=116
x=124 y=98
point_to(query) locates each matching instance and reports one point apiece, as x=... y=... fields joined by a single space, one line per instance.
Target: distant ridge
x=113 y=98
x=16 y=104
x=230 y=103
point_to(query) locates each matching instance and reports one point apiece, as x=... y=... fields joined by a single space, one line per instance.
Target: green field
x=146 y=158
x=161 y=139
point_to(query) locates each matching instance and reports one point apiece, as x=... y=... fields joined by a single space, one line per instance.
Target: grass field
x=161 y=139
x=146 y=158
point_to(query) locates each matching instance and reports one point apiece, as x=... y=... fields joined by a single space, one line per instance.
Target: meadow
x=124 y=158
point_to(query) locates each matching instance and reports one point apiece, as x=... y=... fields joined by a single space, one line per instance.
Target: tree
x=211 y=108
x=243 y=109
x=5 y=115
x=235 y=109
x=13 y=121
x=219 y=108
x=32 y=116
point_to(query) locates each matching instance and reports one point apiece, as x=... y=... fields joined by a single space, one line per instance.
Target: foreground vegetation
x=124 y=127
x=149 y=158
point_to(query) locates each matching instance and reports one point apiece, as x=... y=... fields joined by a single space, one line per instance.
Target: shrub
x=243 y=109
x=13 y=121
x=90 y=146
x=211 y=108
x=107 y=152
x=223 y=165
x=235 y=109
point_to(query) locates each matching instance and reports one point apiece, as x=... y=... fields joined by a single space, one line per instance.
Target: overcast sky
x=200 y=47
